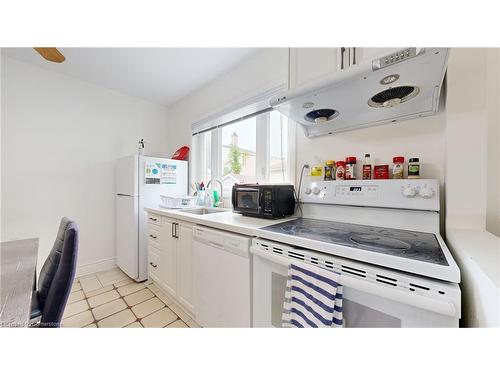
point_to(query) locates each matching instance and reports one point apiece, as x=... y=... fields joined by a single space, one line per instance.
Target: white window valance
x=238 y=111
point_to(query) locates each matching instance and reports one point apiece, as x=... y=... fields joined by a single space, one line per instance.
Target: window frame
x=263 y=154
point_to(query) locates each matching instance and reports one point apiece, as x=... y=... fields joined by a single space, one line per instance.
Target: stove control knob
x=426 y=192
x=307 y=190
x=316 y=190
x=409 y=192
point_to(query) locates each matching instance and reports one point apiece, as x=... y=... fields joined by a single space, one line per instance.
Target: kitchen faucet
x=221 y=199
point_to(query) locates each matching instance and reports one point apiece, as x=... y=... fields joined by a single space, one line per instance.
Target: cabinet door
x=185 y=292
x=168 y=257
x=309 y=64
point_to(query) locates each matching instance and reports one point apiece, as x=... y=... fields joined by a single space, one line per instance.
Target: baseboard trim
x=101 y=265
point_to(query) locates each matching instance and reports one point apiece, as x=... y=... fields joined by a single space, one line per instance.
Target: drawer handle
x=152 y=236
x=153 y=219
x=153 y=265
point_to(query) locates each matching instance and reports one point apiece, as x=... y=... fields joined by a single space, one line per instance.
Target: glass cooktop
x=397 y=242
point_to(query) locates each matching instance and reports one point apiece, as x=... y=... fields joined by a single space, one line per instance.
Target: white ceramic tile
x=178 y=310
x=138 y=297
x=76 y=286
x=111 y=276
x=159 y=319
x=99 y=291
x=90 y=283
x=93 y=325
x=147 y=307
x=177 y=324
x=191 y=323
x=76 y=296
x=78 y=320
x=130 y=288
x=103 y=298
x=135 y=325
x=110 y=308
x=166 y=299
x=121 y=319
x=126 y=281
x=75 y=308
x=153 y=287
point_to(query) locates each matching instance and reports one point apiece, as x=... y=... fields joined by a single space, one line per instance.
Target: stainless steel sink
x=204 y=210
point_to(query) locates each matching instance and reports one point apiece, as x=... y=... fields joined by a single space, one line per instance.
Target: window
x=255 y=149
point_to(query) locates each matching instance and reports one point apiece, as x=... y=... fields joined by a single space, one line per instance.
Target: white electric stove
x=382 y=236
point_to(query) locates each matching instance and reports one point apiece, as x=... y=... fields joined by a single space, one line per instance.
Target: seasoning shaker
x=350 y=163
x=398 y=167
x=414 y=168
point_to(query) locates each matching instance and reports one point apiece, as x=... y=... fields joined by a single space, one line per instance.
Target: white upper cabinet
x=310 y=64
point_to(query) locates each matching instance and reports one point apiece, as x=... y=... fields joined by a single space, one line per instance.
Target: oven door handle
x=395 y=294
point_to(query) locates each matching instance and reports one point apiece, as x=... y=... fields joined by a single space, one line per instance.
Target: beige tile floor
x=111 y=299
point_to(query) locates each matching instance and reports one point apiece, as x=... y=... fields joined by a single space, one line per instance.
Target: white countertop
x=225 y=220
x=478 y=246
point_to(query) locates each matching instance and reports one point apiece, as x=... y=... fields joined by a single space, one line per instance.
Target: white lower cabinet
x=185 y=290
x=170 y=266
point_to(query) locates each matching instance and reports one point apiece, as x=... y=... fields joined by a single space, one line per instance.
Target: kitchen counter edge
x=226 y=221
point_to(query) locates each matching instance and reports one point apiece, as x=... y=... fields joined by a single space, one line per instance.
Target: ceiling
x=159 y=75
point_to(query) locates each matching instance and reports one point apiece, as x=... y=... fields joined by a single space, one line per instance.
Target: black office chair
x=56 y=277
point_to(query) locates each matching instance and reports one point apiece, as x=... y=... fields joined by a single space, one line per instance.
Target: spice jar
x=367 y=168
x=340 y=173
x=381 y=172
x=398 y=167
x=350 y=162
x=414 y=168
x=329 y=170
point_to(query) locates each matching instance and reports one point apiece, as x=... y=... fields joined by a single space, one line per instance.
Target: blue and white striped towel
x=313 y=298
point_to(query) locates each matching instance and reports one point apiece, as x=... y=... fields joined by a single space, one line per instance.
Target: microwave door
x=247 y=201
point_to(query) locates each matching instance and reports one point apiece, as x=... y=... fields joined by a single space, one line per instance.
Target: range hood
x=395 y=87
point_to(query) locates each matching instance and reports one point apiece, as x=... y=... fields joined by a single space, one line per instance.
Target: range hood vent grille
x=393 y=96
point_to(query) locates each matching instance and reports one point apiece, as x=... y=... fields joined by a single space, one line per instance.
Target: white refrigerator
x=140 y=180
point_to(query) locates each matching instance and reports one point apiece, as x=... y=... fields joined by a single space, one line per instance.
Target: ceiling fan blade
x=50 y=54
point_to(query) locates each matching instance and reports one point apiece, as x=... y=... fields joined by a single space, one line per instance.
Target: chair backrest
x=57 y=274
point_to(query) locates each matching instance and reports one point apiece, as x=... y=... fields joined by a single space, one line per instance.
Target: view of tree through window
x=239 y=152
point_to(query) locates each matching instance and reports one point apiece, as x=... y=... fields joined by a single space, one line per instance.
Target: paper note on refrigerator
x=168 y=174
x=152 y=173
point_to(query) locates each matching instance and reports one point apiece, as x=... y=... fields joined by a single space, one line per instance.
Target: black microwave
x=267 y=201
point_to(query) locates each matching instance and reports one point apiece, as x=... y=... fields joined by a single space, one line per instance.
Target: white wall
x=60 y=139
x=262 y=71
x=472 y=179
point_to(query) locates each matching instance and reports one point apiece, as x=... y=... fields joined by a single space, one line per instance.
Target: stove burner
x=378 y=242
x=396 y=242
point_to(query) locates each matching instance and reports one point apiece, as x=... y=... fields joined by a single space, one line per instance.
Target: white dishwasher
x=221 y=265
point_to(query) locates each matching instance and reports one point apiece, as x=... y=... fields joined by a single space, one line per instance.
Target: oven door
x=247 y=200
x=365 y=304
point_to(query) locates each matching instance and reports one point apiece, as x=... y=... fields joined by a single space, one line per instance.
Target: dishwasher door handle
x=217 y=245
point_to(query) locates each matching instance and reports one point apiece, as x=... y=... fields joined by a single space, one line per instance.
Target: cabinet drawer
x=154 y=236
x=153 y=262
x=154 y=219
